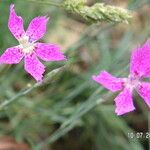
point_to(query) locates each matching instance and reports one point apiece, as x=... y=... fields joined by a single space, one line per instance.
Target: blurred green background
x=70 y=111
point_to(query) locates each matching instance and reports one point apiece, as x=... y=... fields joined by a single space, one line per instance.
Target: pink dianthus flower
x=139 y=69
x=28 y=47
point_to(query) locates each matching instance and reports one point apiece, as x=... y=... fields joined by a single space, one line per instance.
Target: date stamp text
x=139 y=135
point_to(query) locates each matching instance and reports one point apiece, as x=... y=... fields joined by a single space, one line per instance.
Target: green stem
x=26 y=91
x=49 y=3
x=69 y=124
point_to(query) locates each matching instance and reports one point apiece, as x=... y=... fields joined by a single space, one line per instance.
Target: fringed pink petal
x=124 y=102
x=12 y=55
x=15 y=24
x=144 y=91
x=34 y=67
x=140 y=61
x=108 y=81
x=49 y=52
x=37 y=28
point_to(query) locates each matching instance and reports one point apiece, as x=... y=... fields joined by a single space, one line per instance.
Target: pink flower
x=28 y=47
x=139 y=69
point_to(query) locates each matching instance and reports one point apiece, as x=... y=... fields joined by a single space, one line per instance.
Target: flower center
x=132 y=81
x=26 y=46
